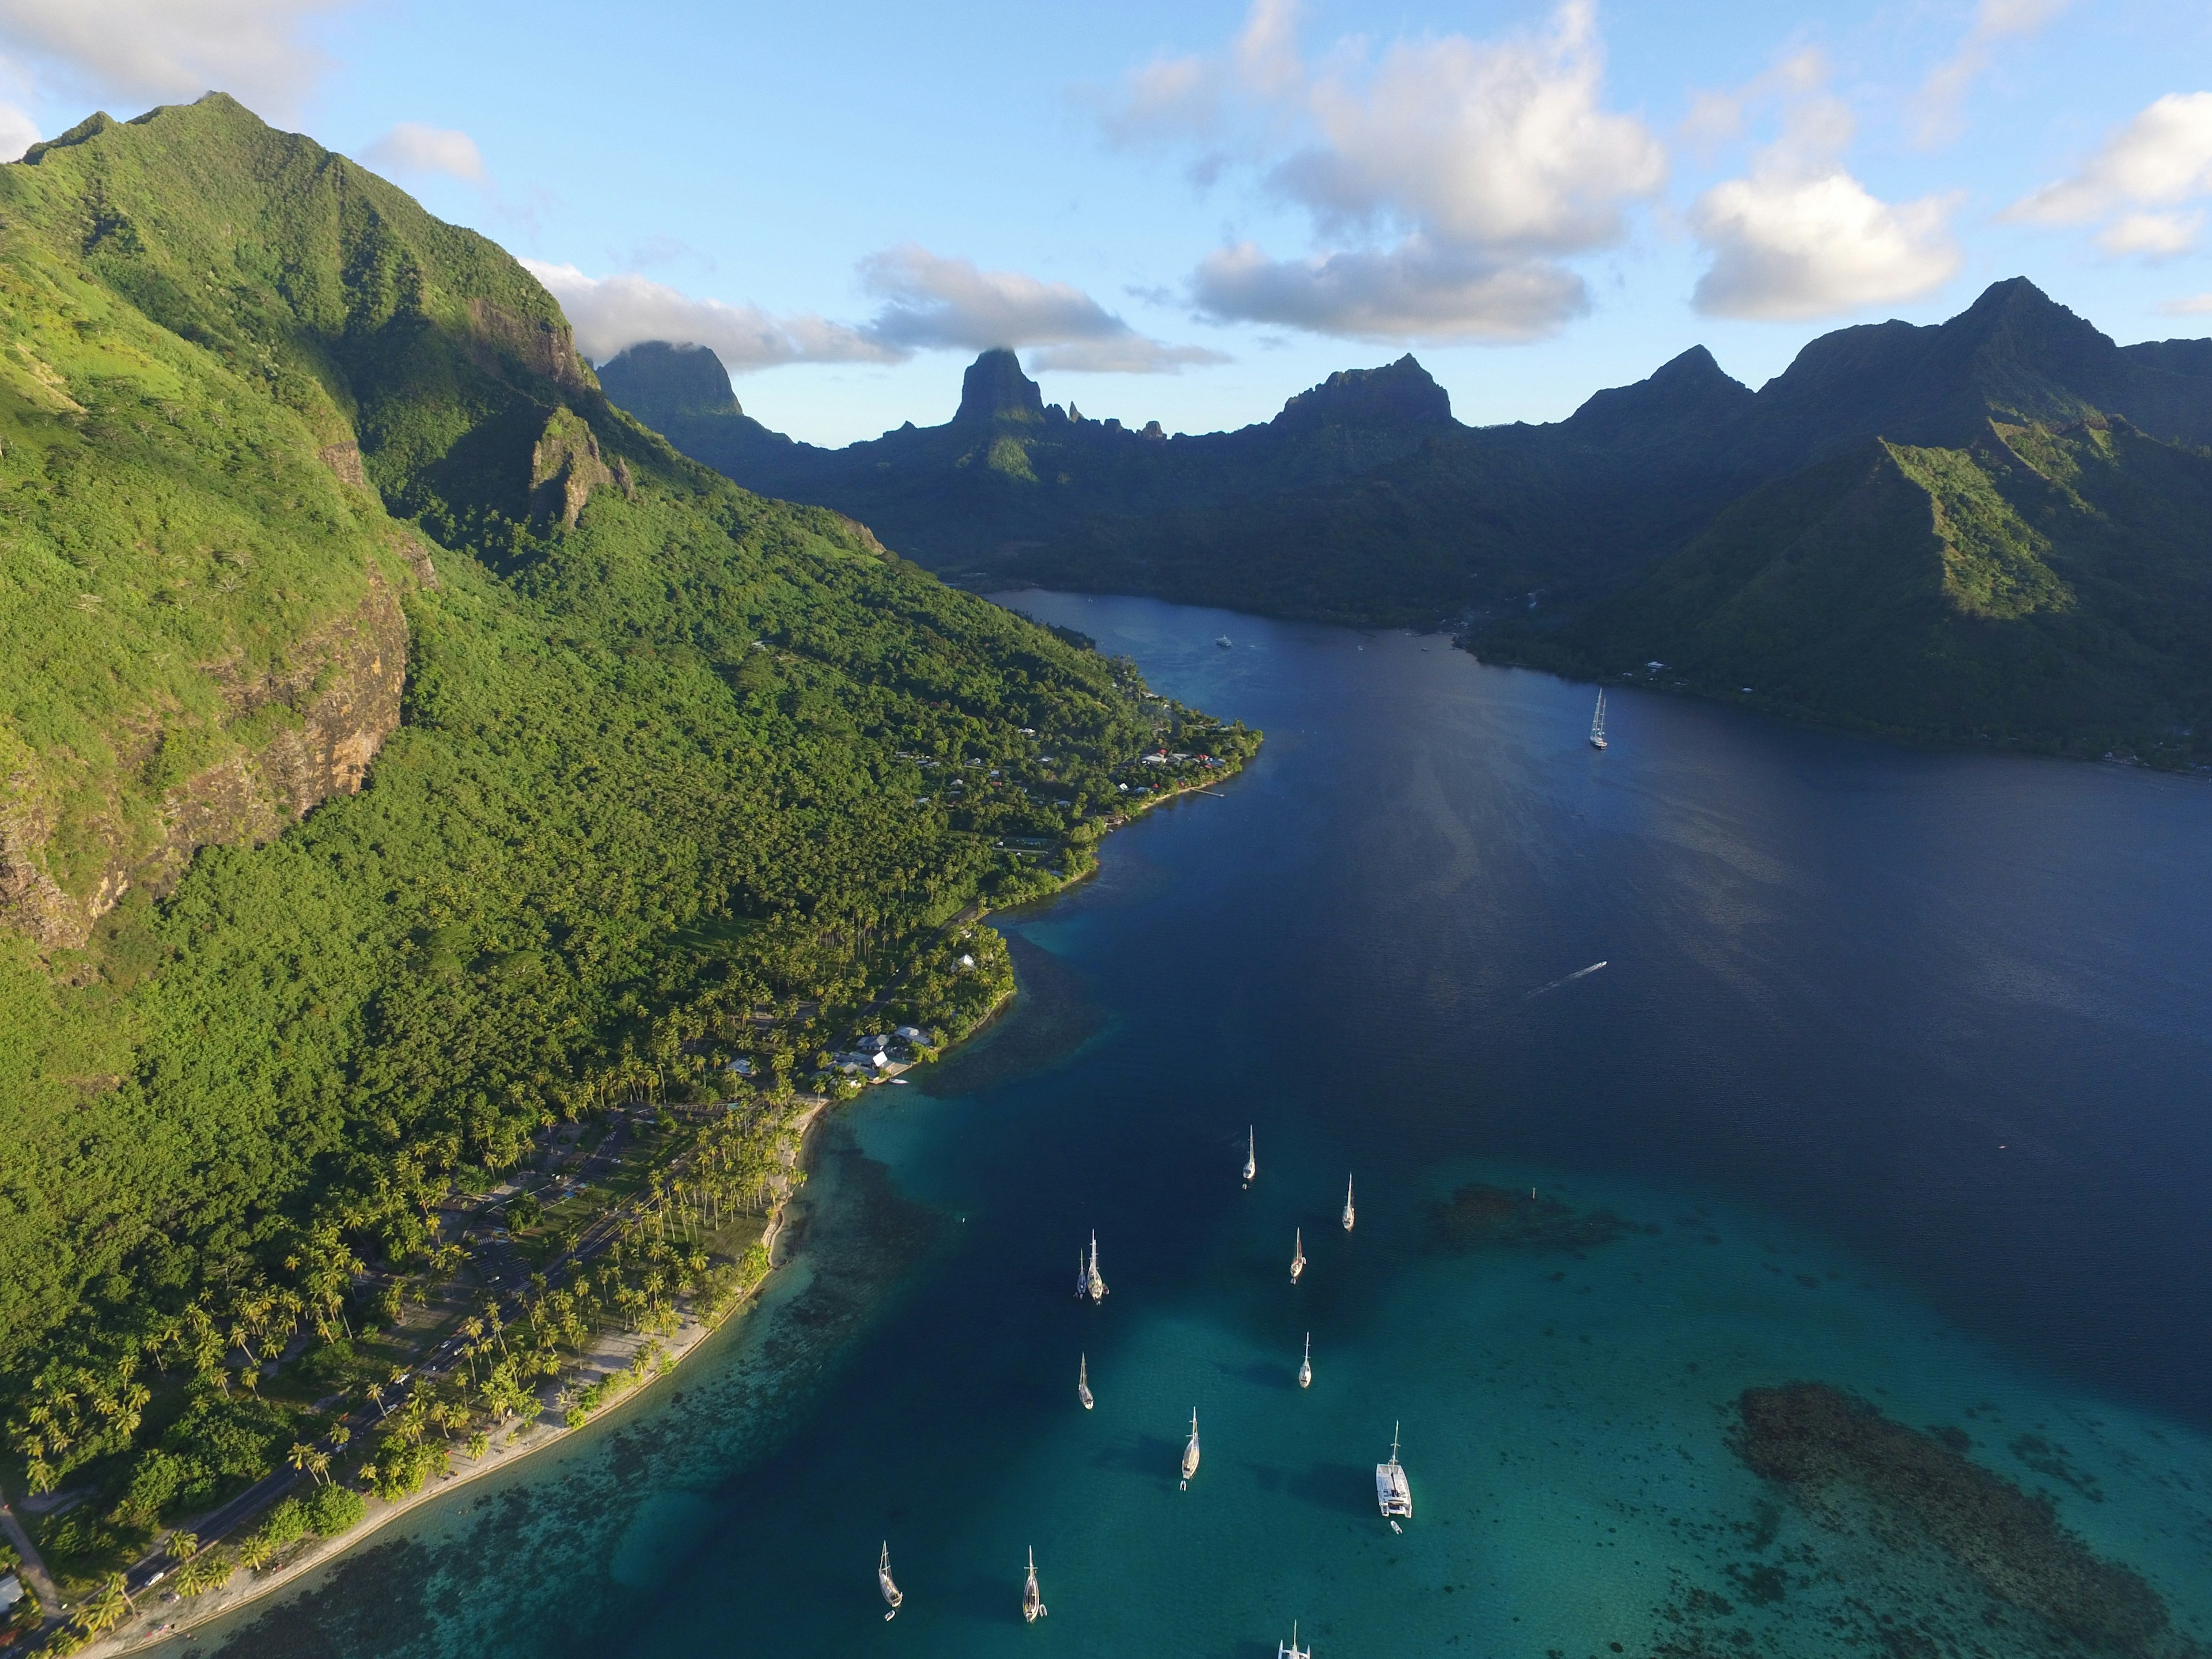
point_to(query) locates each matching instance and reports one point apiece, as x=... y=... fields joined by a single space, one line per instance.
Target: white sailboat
x=1347 y=1204
x=1251 y=1157
x=884 y=1583
x=1305 y=1366
x=1597 y=722
x=1092 y=1281
x=1082 y=1276
x=1292 y=1650
x=1083 y=1380
x=1391 y=1491
x=1033 y=1608
x=1190 y=1453
x=1298 y=1255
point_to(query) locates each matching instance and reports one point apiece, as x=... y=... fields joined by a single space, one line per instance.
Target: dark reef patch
x=1483 y=1218
x=1852 y=1468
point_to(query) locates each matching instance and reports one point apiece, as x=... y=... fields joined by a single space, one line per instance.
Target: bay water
x=1894 y=1080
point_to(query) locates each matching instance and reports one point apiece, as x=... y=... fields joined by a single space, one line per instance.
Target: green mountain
x=1815 y=539
x=309 y=503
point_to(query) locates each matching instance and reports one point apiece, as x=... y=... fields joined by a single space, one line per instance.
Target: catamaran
x=884 y=1583
x=1597 y=722
x=1347 y=1204
x=1092 y=1281
x=1298 y=1254
x=1305 y=1366
x=1251 y=1157
x=1391 y=1491
x=1033 y=1608
x=1292 y=1650
x=1190 y=1453
x=1083 y=1380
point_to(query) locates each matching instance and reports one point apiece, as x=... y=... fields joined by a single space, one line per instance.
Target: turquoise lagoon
x=1895 y=1082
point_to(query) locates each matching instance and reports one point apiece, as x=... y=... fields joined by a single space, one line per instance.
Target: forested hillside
x=308 y=499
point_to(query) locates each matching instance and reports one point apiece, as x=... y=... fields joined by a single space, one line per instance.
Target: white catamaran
x=1347 y=1204
x=1291 y=1649
x=1083 y=1380
x=884 y=1583
x=1597 y=723
x=1298 y=1255
x=1391 y=1490
x=1190 y=1453
x=1305 y=1366
x=1033 y=1608
x=1092 y=1281
x=1251 y=1157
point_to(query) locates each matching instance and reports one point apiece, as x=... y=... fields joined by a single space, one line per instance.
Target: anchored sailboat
x=1298 y=1255
x=1033 y=1608
x=1293 y=1651
x=1092 y=1281
x=1082 y=1276
x=1083 y=1380
x=1597 y=722
x=1347 y=1204
x=1305 y=1366
x=1391 y=1491
x=1190 y=1453
x=1251 y=1157
x=884 y=1583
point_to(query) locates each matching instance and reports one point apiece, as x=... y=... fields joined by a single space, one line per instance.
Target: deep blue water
x=1896 y=1079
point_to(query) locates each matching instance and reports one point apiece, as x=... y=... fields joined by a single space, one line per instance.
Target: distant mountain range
x=1993 y=529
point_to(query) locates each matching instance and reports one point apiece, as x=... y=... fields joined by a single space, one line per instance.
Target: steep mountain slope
x=271 y=437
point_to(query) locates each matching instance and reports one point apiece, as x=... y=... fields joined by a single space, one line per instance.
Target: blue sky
x=1189 y=212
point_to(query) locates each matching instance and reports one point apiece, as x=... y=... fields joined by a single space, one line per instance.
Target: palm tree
x=376 y=1399
x=183 y=1546
x=298 y=1456
x=318 y=1465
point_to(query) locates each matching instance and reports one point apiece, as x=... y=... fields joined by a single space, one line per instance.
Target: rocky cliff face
x=337 y=699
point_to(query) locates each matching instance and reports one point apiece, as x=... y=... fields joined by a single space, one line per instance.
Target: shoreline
x=148 y=1628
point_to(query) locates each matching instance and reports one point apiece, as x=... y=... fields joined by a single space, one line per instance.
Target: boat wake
x=1556 y=983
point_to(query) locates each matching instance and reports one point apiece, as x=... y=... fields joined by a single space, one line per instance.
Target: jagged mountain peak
x=1403 y=393
x=670 y=378
x=1690 y=387
x=995 y=389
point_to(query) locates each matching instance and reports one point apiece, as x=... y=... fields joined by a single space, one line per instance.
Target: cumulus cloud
x=1799 y=237
x=610 y=314
x=930 y=302
x=411 y=146
x=18 y=132
x=1447 y=178
x=1996 y=21
x=170 y=49
x=1415 y=290
x=2160 y=160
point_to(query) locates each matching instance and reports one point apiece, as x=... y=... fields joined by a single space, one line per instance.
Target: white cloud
x=2197 y=304
x=18 y=132
x=1446 y=177
x=613 y=313
x=1994 y=22
x=2160 y=159
x=930 y=302
x=410 y=147
x=1799 y=237
x=171 y=48
x=1414 y=291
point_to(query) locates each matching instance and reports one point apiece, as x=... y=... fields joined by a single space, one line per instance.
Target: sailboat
x=1033 y=1608
x=1305 y=1366
x=884 y=1583
x=1293 y=1651
x=1190 y=1453
x=1597 y=722
x=1347 y=1204
x=1091 y=1280
x=1083 y=1380
x=1298 y=1255
x=1391 y=1491
x=1082 y=1276
x=1251 y=1157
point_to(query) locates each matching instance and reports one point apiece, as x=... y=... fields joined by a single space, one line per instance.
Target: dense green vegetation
x=682 y=773
x=1989 y=529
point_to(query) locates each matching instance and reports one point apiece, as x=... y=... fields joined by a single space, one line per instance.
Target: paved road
x=34 y=1569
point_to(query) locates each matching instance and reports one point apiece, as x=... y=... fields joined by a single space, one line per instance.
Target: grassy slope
x=610 y=819
x=2044 y=588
